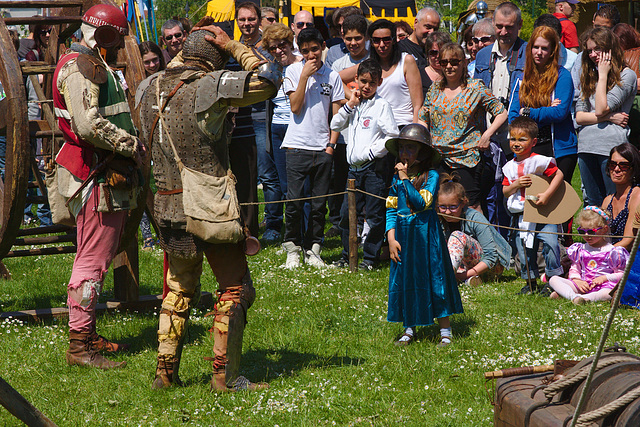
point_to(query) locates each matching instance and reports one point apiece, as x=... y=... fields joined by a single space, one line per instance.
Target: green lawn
x=319 y=338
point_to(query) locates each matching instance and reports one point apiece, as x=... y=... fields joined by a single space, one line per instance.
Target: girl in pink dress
x=596 y=266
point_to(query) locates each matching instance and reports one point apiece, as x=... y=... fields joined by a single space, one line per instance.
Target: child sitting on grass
x=422 y=284
x=596 y=266
x=523 y=135
x=475 y=247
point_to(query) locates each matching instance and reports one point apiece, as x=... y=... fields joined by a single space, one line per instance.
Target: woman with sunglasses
x=401 y=84
x=623 y=168
x=608 y=88
x=454 y=111
x=432 y=46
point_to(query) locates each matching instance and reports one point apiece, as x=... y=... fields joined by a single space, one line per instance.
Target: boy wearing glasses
x=368 y=121
x=523 y=135
x=313 y=89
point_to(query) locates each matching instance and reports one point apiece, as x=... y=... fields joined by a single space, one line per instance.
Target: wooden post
x=20 y=407
x=353 y=226
x=126 y=273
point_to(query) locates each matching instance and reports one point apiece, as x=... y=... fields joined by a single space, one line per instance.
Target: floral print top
x=457 y=124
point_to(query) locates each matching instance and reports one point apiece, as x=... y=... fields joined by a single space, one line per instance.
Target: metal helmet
x=481 y=9
x=110 y=23
x=417 y=133
x=197 y=48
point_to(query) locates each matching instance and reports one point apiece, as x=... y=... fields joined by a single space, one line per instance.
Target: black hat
x=417 y=133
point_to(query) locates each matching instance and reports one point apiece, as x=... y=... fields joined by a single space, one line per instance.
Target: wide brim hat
x=414 y=132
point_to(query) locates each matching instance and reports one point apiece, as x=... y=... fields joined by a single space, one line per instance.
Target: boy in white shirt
x=313 y=89
x=523 y=135
x=368 y=120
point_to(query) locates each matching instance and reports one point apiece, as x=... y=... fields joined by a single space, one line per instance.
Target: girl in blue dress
x=422 y=283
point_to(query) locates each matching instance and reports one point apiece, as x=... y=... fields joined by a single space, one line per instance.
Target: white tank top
x=395 y=91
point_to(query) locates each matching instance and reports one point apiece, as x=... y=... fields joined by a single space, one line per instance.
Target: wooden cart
x=64 y=17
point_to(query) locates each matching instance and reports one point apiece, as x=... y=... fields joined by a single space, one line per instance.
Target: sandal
x=405 y=342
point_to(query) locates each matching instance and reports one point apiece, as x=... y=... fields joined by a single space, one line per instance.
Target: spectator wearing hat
x=564 y=11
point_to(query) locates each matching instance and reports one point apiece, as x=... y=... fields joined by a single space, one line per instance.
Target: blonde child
x=422 y=283
x=475 y=247
x=596 y=266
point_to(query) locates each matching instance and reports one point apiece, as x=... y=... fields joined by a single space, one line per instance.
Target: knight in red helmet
x=97 y=170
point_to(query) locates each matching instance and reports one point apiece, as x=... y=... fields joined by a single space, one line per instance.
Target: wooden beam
x=20 y=407
x=42 y=251
x=145 y=302
x=47 y=4
x=44 y=20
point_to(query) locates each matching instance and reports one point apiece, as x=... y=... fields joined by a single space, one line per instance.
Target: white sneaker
x=293 y=255
x=312 y=257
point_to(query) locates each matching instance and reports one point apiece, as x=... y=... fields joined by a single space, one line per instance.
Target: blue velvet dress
x=422 y=286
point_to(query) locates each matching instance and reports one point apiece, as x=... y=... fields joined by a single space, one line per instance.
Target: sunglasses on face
x=434 y=52
x=450 y=208
x=44 y=32
x=270 y=19
x=304 y=24
x=624 y=166
x=378 y=40
x=281 y=46
x=483 y=39
x=589 y=231
x=454 y=62
x=170 y=37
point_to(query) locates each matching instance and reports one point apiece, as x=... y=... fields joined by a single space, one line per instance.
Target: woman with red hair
x=544 y=93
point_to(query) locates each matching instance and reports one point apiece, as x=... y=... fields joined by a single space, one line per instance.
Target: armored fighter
x=97 y=170
x=183 y=111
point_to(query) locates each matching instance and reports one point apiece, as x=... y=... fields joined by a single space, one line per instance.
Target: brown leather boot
x=81 y=352
x=166 y=373
x=100 y=343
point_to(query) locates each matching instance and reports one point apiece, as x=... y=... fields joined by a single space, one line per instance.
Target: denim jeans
x=372 y=181
x=550 y=251
x=316 y=166
x=595 y=182
x=339 y=173
x=268 y=176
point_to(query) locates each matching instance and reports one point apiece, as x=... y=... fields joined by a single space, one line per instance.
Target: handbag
x=210 y=203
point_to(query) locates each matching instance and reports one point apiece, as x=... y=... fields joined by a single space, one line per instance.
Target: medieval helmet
x=414 y=132
x=110 y=23
x=197 y=48
x=481 y=9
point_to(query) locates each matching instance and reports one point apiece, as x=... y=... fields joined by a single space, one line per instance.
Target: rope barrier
x=440 y=214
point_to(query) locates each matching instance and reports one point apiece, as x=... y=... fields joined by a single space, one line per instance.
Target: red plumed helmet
x=102 y=15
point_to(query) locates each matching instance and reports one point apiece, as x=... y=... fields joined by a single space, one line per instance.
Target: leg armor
x=228 y=327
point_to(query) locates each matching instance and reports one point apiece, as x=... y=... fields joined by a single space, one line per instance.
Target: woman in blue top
x=545 y=94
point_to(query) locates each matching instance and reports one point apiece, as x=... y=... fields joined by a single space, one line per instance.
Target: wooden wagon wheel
x=14 y=123
x=65 y=21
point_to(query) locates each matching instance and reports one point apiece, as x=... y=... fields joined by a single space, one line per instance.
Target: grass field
x=319 y=338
